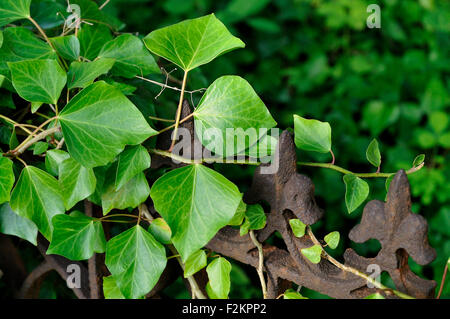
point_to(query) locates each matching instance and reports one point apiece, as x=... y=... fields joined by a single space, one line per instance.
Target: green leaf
x=292 y=294
x=219 y=278
x=196 y=202
x=312 y=253
x=110 y=289
x=160 y=230
x=131 y=194
x=13 y=224
x=92 y=38
x=332 y=239
x=68 y=47
x=6 y=179
x=255 y=219
x=356 y=191
x=98 y=122
x=312 y=135
x=38 y=80
x=297 y=226
x=132 y=58
x=1 y=40
x=238 y=217
x=132 y=161
x=12 y=10
x=373 y=153
x=76 y=236
x=376 y=295
x=192 y=43
x=36 y=196
x=388 y=181
x=53 y=159
x=230 y=102
x=419 y=160
x=83 y=74
x=39 y=148
x=438 y=121
x=75 y=181
x=136 y=261
x=35 y=106
x=194 y=263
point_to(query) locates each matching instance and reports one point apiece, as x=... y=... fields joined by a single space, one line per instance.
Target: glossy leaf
x=36 y=196
x=194 y=263
x=6 y=179
x=53 y=159
x=312 y=253
x=419 y=160
x=68 y=47
x=219 y=278
x=255 y=219
x=83 y=74
x=239 y=216
x=332 y=239
x=356 y=191
x=76 y=236
x=230 y=102
x=312 y=135
x=297 y=226
x=35 y=106
x=132 y=58
x=196 y=202
x=38 y=80
x=110 y=289
x=98 y=122
x=12 y=10
x=39 y=148
x=373 y=153
x=160 y=230
x=75 y=181
x=13 y=224
x=132 y=161
x=136 y=261
x=92 y=38
x=192 y=43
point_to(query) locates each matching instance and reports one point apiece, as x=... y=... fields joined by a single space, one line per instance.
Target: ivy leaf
x=255 y=219
x=53 y=159
x=373 y=153
x=92 y=38
x=13 y=224
x=110 y=289
x=160 y=230
x=75 y=181
x=192 y=43
x=230 y=102
x=312 y=135
x=39 y=148
x=196 y=202
x=131 y=194
x=219 y=283
x=132 y=58
x=388 y=181
x=332 y=239
x=68 y=47
x=38 y=80
x=76 y=236
x=36 y=196
x=83 y=74
x=194 y=263
x=12 y=10
x=419 y=160
x=292 y=294
x=297 y=226
x=136 y=261
x=376 y=295
x=239 y=215
x=356 y=191
x=6 y=179
x=35 y=106
x=312 y=253
x=133 y=160
x=98 y=122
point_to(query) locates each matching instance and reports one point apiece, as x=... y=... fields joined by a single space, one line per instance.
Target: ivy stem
x=30 y=140
x=364 y=175
x=260 y=264
x=22 y=126
x=173 y=125
x=22 y=161
x=442 y=281
x=160 y=119
x=354 y=271
x=180 y=104
x=165 y=86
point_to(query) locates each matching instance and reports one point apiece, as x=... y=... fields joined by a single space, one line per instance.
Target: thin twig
x=168 y=86
x=22 y=148
x=442 y=281
x=260 y=264
x=177 y=119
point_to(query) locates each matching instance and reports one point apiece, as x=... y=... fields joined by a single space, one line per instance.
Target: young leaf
x=230 y=102
x=39 y=148
x=292 y=294
x=110 y=289
x=373 y=153
x=419 y=160
x=36 y=196
x=356 y=191
x=194 y=263
x=13 y=224
x=312 y=135
x=312 y=253
x=192 y=43
x=332 y=239
x=160 y=230
x=196 y=202
x=76 y=236
x=68 y=47
x=136 y=261
x=75 y=181
x=239 y=215
x=38 y=80
x=92 y=38
x=6 y=179
x=98 y=122
x=219 y=278
x=83 y=74
x=12 y=10
x=255 y=219
x=133 y=160
x=53 y=159
x=132 y=58
x=376 y=295
x=133 y=193
x=297 y=226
